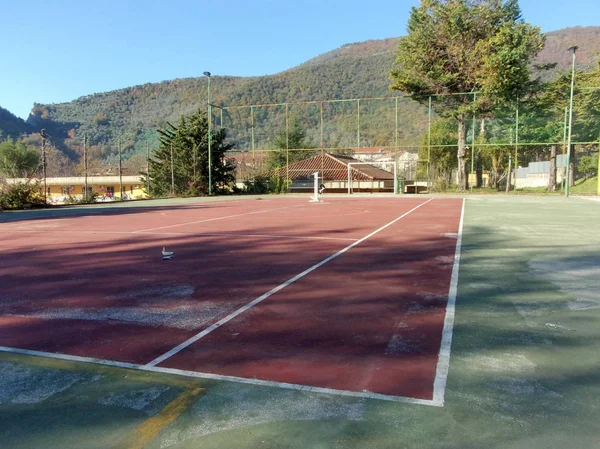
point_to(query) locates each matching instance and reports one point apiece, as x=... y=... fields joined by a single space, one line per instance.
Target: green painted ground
x=524 y=372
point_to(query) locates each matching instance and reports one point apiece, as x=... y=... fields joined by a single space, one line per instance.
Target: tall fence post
x=517 y=138
x=252 y=136
x=287 y=147
x=564 y=159
x=358 y=123
x=429 y=113
x=473 y=144
x=322 y=144
x=598 y=167
x=396 y=130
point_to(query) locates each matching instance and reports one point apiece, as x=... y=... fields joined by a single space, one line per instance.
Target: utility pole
x=148 y=169
x=120 y=171
x=44 y=137
x=172 y=173
x=85 y=169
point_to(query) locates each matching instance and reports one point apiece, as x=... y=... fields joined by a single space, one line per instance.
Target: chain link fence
x=519 y=145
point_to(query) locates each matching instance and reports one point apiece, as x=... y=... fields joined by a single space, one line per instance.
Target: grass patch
x=587 y=186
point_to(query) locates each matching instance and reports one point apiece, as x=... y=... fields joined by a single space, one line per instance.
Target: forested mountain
x=356 y=70
x=557 y=42
x=11 y=125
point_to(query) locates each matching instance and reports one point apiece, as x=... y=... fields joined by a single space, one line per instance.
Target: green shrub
x=92 y=196
x=258 y=185
x=21 y=196
x=588 y=165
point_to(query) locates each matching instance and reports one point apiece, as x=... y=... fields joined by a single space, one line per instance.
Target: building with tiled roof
x=333 y=172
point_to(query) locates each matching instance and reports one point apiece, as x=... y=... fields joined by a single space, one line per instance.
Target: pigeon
x=167 y=255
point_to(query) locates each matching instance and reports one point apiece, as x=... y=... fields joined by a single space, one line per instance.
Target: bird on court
x=167 y=255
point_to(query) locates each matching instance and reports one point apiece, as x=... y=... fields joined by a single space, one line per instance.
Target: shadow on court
x=524 y=366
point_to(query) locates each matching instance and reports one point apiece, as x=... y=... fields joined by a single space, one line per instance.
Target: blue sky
x=54 y=51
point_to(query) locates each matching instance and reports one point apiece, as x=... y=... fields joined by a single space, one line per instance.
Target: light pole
x=209 y=136
x=572 y=50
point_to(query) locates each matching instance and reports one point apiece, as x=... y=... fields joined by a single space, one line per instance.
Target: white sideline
x=261 y=298
x=178 y=372
x=443 y=365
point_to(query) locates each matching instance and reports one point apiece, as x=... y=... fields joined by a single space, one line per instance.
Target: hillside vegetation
x=12 y=126
x=358 y=70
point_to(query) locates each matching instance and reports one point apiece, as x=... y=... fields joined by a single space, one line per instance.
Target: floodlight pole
x=210 y=192
x=572 y=50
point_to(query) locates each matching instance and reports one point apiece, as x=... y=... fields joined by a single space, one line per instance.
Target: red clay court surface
x=369 y=320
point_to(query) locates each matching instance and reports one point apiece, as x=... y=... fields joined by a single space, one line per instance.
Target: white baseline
x=198 y=375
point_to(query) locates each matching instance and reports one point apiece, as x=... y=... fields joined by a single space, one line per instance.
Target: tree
x=458 y=47
x=18 y=160
x=587 y=105
x=188 y=167
x=442 y=139
x=295 y=138
x=588 y=165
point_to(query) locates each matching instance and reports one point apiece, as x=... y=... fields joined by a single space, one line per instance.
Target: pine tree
x=295 y=138
x=181 y=160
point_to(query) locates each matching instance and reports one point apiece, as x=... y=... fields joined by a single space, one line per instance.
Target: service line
x=194 y=234
x=215 y=219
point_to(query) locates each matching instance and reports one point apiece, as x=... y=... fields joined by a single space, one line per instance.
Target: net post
x=315 y=198
x=349 y=168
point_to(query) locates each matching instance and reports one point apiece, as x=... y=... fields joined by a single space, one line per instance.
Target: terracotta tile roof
x=333 y=168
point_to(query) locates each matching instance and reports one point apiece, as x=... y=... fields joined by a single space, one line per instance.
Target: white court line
x=443 y=365
x=258 y=382
x=268 y=236
x=215 y=219
x=258 y=300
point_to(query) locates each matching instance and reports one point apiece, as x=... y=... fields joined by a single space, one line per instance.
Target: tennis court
x=281 y=323
x=344 y=297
